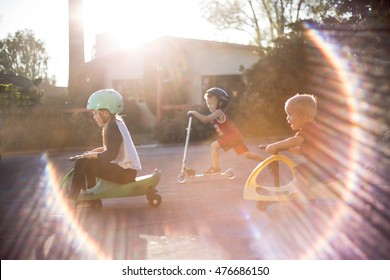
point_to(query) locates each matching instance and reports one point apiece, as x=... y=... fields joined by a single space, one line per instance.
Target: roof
x=178 y=41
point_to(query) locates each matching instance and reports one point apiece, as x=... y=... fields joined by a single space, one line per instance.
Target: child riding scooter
x=217 y=101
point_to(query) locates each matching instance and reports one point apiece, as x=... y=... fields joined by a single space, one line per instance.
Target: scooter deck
x=229 y=174
x=225 y=173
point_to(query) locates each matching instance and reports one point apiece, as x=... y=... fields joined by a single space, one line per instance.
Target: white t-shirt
x=127 y=155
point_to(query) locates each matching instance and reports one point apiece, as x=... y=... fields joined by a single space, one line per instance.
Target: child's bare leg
x=214 y=154
x=253 y=156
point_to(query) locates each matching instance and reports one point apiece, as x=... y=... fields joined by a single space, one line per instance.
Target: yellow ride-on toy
x=279 y=192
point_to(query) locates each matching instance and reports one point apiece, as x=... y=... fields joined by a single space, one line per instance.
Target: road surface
x=205 y=219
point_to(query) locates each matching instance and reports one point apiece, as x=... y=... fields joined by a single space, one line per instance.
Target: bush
x=132 y=116
x=42 y=129
x=172 y=128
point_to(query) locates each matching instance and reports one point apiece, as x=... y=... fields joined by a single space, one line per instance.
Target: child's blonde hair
x=304 y=102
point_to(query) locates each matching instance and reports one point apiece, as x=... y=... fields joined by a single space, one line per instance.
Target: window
x=231 y=83
x=130 y=89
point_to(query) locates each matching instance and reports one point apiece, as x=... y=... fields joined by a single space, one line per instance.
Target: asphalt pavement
x=202 y=219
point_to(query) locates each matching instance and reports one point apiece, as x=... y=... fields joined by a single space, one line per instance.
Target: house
x=170 y=72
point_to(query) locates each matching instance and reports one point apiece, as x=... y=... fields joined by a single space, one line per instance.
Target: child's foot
x=212 y=170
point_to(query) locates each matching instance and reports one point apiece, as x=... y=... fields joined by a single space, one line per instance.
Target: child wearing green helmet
x=117 y=160
x=217 y=101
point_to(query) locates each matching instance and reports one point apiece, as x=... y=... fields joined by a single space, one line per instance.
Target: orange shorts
x=237 y=144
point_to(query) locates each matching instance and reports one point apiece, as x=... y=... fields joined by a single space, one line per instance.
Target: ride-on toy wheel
x=97 y=203
x=153 y=197
x=262 y=205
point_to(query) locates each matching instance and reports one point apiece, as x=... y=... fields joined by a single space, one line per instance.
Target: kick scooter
x=143 y=185
x=190 y=173
x=267 y=195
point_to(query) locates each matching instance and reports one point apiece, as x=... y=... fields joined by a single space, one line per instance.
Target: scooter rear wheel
x=230 y=173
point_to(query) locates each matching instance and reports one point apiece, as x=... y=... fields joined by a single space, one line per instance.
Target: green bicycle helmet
x=106 y=99
x=222 y=96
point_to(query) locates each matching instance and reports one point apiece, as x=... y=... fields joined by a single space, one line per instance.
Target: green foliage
x=263 y=20
x=132 y=115
x=23 y=55
x=355 y=11
x=13 y=97
x=43 y=128
x=173 y=128
x=280 y=74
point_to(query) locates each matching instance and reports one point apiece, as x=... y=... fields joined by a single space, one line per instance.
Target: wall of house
x=188 y=60
x=216 y=62
x=126 y=65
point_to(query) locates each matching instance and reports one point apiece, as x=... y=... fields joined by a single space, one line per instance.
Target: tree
x=363 y=9
x=264 y=20
x=278 y=75
x=362 y=25
x=23 y=55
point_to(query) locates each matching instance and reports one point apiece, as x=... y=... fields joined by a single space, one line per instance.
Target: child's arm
x=285 y=144
x=295 y=150
x=93 y=153
x=99 y=149
x=205 y=118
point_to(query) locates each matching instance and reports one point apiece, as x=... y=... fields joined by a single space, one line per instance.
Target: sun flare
x=131 y=23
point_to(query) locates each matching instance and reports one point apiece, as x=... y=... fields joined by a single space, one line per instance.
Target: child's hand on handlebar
x=271 y=148
x=270 y=167
x=74 y=158
x=191 y=113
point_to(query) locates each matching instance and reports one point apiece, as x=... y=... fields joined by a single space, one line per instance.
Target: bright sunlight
x=134 y=22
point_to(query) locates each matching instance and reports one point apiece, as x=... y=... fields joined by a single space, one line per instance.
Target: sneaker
x=212 y=170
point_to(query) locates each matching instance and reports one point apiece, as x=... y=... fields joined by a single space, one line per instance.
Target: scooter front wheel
x=181 y=178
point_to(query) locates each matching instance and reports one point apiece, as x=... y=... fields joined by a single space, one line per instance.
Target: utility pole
x=76 y=52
